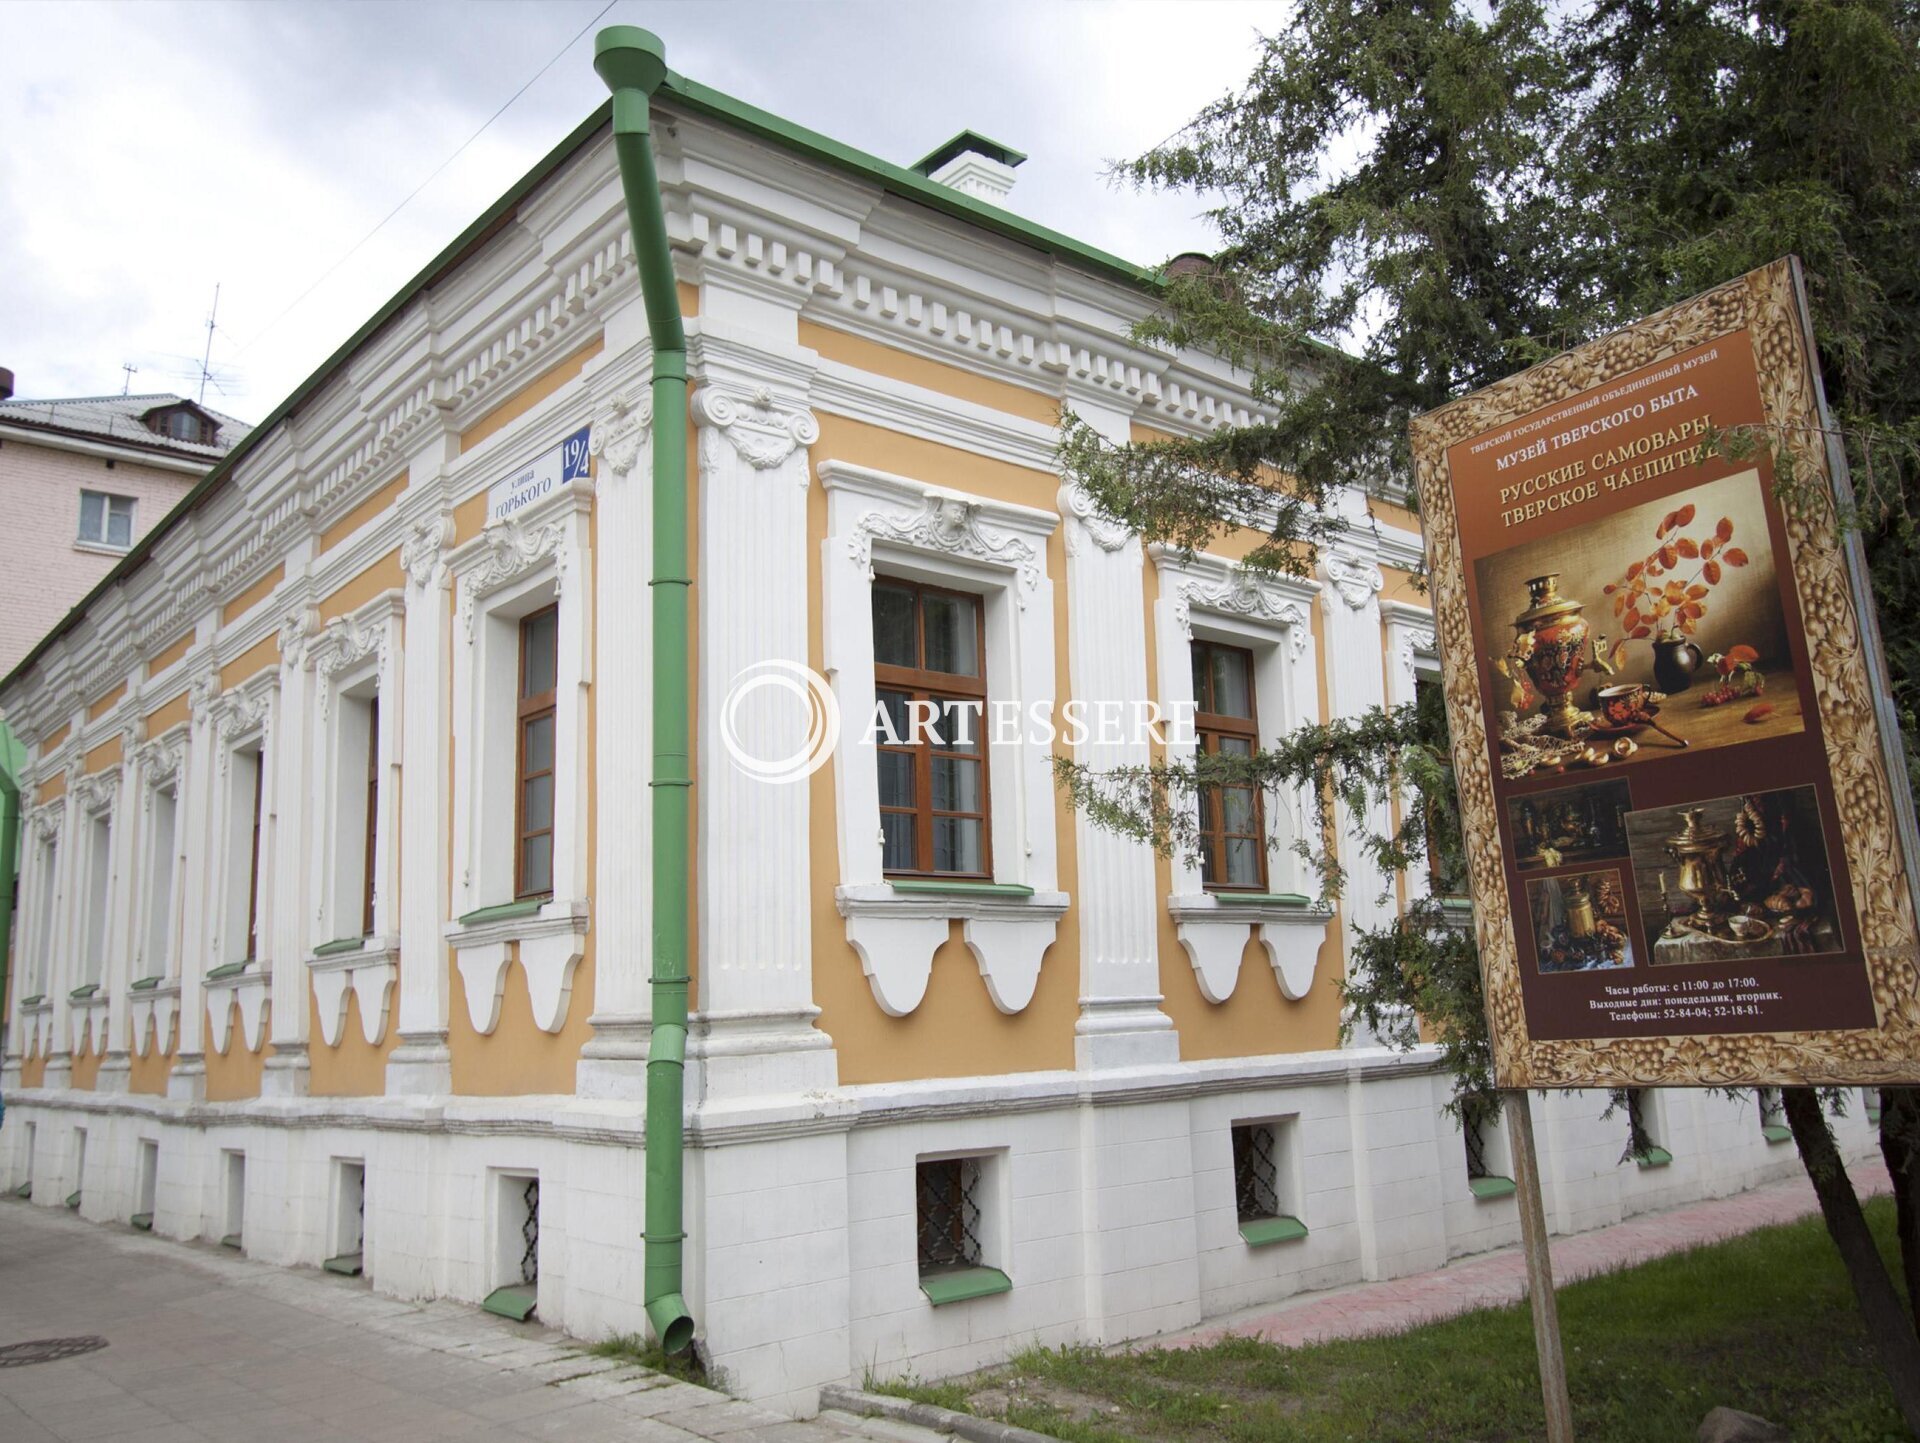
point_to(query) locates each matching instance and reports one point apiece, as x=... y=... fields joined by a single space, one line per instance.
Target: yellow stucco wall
x=106 y=702
x=252 y=596
x=353 y=1067
x=168 y=655
x=360 y=515
x=235 y=1073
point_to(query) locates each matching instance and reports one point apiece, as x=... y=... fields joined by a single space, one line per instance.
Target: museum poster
x=1687 y=863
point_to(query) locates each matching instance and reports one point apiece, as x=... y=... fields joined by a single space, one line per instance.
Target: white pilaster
x=1356 y=682
x=613 y=1062
x=422 y=1063
x=64 y=954
x=285 y=1073
x=188 y=1079
x=756 y=984
x=1121 y=1024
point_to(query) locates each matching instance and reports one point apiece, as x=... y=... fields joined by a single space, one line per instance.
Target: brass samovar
x=1696 y=850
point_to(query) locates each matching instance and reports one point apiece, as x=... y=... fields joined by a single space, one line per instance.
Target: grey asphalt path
x=206 y=1347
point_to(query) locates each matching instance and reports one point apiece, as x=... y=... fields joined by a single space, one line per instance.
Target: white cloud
x=156 y=149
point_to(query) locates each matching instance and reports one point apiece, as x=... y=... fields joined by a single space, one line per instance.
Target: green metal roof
x=692 y=98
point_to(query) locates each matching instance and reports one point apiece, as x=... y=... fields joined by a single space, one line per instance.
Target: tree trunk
x=1900 y=1145
x=1889 y=1327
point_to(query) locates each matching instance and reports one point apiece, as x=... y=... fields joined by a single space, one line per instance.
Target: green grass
x=643 y=1352
x=1765 y=1322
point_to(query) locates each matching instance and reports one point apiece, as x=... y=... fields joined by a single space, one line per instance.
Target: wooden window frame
x=528 y=709
x=922 y=685
x=1209 y=728
x=372 y=828
x=253 y=859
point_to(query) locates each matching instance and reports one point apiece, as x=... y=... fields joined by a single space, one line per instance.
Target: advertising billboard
x=1688 y=860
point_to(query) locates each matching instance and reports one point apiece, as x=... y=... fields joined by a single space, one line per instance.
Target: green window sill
x=515 y=1301
x=339 y=945
x=1653 y=1157
x=73 y=1201
x=959 y=1284
x=39 y=997
x=1261 y=1231
x=143 y=1221
x=231 y=1240
x=81 y=994
x=1261 y=899
x=231 y=969
x=1777 y=1132
x=347 y=1265
x=25 y=1190
x=504 y=911
x=933 y=886
x=1873 y=1113
x=1487 y=1188
x=147 y=984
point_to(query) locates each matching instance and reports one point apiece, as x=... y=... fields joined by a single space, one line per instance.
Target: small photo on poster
x=1570 y=825
x=1734 y=879
x=1638 y=635
x=1580 y=921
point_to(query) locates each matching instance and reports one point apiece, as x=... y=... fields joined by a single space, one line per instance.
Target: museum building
x=335 y=913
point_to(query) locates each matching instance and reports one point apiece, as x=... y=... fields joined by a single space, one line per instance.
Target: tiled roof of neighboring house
x=121 y=420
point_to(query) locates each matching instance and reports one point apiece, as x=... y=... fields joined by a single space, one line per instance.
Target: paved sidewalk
x=1491 y=1279
x=206 y=1347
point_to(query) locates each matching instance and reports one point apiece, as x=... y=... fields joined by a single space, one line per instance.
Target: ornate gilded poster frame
x=1829 y=677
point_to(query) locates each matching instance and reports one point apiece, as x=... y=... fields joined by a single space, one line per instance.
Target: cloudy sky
x=153 y=150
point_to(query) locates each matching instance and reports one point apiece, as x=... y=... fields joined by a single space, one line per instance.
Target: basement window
x=1489 y=1170
x=516 y=1246
x=947 y=1197
x=236 y=1199
x=1643 y=1129
x=146 y=1183
x=349 y=1218
x=1263 y=1182
x=1773 y=1116
x=79 y=1167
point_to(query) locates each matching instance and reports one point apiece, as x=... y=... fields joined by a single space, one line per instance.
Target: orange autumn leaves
x=1655 y=597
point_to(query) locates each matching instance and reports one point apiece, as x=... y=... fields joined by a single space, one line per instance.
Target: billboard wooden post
x=1533 y=1242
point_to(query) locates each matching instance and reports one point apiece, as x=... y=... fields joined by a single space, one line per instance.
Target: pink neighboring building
x=81 y=481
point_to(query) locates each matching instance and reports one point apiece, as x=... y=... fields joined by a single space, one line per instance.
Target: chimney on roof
x=6 y=384
x=973 y=165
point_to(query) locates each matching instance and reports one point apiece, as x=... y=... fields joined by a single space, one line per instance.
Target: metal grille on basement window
x=530 y=1234
x=948 y=1207
x=1476 y=1147
x=1254 y=1170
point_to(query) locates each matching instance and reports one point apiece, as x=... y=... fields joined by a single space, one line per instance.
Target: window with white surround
x=47 y=872
x=95 y=919
x=352 y=951
x=159 y=905
x=956 y=588
x=519 y=846
x=1237 y=672
x=242 y=895
x=106 y=520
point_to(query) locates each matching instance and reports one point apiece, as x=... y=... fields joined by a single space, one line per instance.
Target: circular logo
x=811 y=691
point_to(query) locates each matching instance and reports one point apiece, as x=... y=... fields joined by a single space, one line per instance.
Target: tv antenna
x=206 y=361
x=127 y=384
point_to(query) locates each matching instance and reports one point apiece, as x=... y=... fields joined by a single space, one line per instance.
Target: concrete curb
x=925 y=1415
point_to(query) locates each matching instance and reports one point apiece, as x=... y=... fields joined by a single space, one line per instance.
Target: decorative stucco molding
x=423 y=554
x=896 y=934
x=1106 y=533
x=763 y=432
x=367 y=976
x=550 y=945
x=951 y=524
x=1355 y=575
x=508 y=551
x=620 y=433
x=1242 y=593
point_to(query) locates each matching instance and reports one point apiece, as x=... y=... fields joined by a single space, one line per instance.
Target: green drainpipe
x=9 y=835
x=633 y=63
